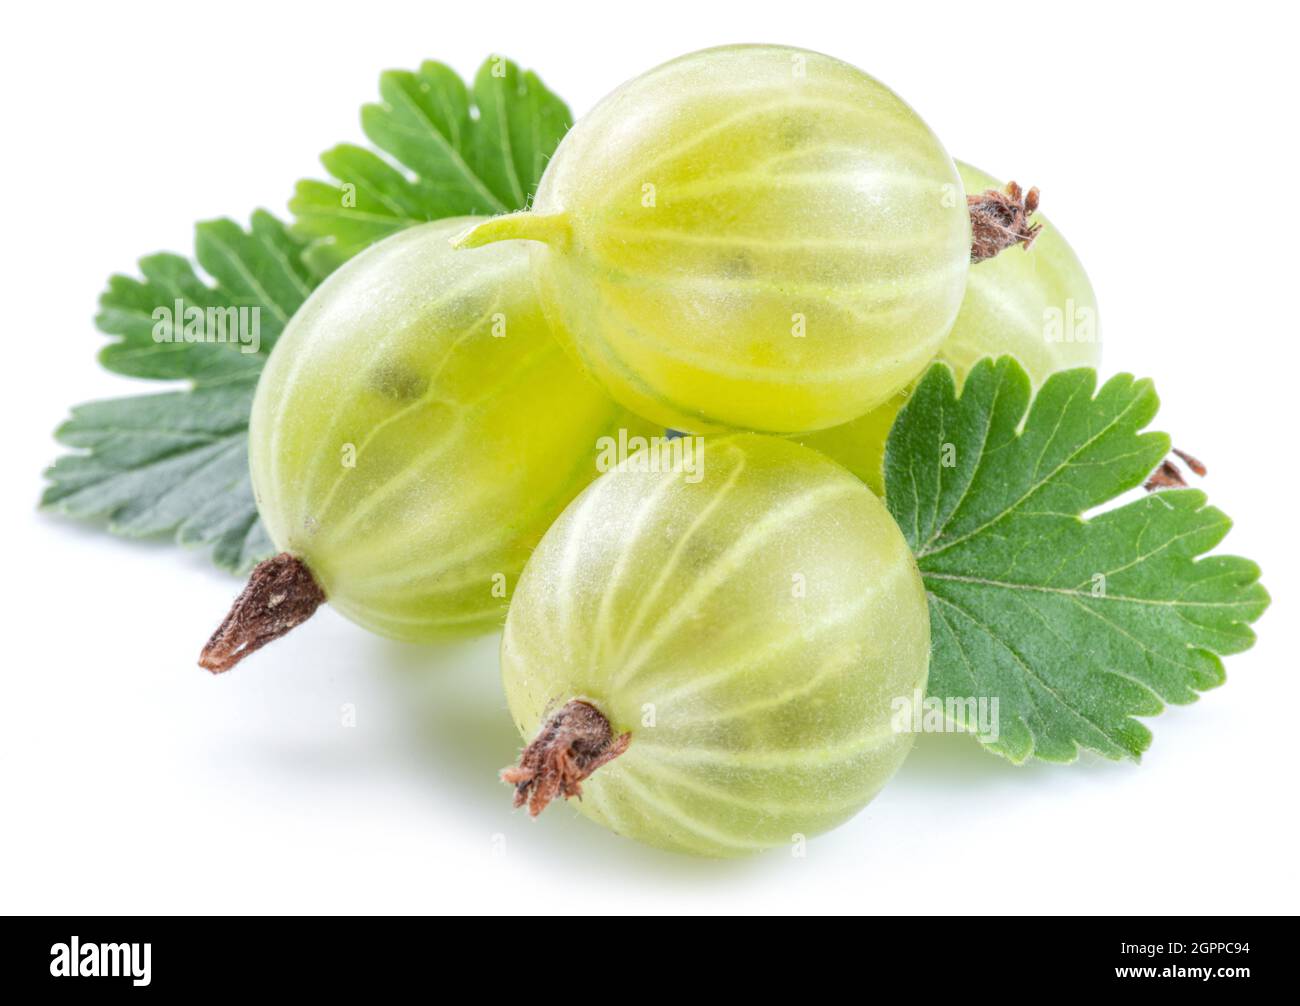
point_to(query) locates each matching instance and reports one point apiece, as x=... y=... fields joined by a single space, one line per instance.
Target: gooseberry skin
x=749 y=630
x=752 y=237
x=1035 y=304
x=410 y=457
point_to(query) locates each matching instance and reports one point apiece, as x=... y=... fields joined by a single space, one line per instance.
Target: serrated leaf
x=466 y=152
x=1075 y=624
x=177 y=462
x=260 y=269
x=169 y=463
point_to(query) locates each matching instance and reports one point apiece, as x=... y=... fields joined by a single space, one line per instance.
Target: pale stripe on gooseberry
x=727 y=565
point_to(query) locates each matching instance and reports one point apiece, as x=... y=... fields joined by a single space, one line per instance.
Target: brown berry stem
x=1169 y=476
x=1191 y=462
x=280 y=594
x=573 y=742
x=1000 y=219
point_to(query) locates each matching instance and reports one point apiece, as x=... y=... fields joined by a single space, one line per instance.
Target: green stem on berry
x=549 y=228
x=1000 y=219
x=280 y=594
x=573 y=742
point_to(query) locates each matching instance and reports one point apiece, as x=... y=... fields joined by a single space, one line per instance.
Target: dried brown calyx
x=281 y=593
x=573 y=742
x=1170 y=476
x=1000 y=219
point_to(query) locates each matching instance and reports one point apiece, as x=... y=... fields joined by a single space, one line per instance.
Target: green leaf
x=1076 y=622
x=169 y=463
x=466 y=151
x=259 y=268
x=177 y=462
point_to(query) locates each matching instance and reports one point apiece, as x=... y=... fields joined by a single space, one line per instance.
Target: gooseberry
x=709 y=654
x=754 y=237
x=415 y=431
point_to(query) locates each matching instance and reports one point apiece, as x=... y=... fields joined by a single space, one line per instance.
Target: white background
x=131 y=781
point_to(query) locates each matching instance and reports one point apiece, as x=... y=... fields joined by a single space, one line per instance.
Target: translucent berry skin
x=751 y=237
x=1035 y=304
x=761 y=619
x=466 y=445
